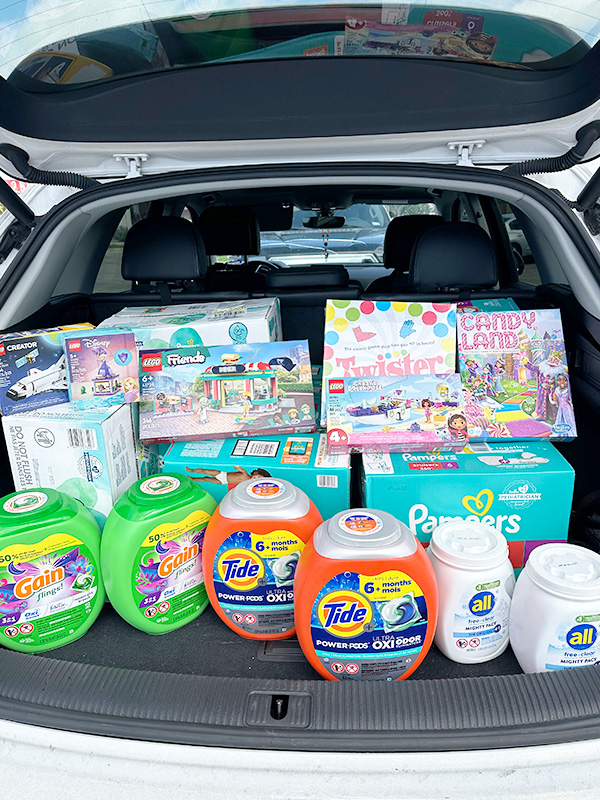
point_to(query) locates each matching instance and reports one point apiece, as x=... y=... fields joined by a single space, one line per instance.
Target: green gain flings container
x=151 y=553
x=50 y=586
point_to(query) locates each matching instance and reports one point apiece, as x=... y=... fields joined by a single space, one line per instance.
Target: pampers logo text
x=422 y=522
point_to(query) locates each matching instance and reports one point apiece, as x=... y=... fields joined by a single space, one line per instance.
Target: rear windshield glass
x=510 y=33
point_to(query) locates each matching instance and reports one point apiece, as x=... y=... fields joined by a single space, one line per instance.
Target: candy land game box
x=195 y=393
x=515 y=375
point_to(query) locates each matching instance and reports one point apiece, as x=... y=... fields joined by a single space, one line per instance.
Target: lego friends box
x=195 y=393
x=515 y=375
x=389 y=374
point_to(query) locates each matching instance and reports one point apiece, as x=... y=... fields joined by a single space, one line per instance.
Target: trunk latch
x=464 y=151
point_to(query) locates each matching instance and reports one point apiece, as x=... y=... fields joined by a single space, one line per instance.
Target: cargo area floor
x=208 y=647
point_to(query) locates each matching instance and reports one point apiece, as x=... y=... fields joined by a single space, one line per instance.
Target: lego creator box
x=202 y=324
x=220 y=464
x=194 y=393
x=515 y=375
x=524 y=490
x=423 y=412
x=33 y=370
x=89 y=455
x=102 y=368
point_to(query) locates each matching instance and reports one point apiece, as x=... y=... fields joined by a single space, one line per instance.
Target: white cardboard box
x=208 y=324
x=89 y=455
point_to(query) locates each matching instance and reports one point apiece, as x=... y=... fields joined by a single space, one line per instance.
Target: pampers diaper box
x=89 y=455
x=239 y=322
x=524 y=490
x=220 y=464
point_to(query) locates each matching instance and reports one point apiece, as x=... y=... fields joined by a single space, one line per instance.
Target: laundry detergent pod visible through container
x=366 y=598
x=152 y=553
x=51 y=590
x=252 y=547
x=555 y=611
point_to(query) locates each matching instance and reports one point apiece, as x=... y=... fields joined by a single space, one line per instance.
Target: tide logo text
x=344 y=613
x=240 y=569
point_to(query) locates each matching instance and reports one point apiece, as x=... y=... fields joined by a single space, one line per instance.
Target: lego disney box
x=195 y=393
x=102 y=368
x=33 y=371
x=207 y=324
x=220 y=464
x=89 y=455
x=524 y=490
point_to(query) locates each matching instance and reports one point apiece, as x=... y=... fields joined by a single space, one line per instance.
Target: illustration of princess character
x=104 y=370
x=305 y=409
x=132 y=390
x=562 y=398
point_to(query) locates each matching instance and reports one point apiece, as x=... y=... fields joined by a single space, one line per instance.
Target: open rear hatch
x=145 y=97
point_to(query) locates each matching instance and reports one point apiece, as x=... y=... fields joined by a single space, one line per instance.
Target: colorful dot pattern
x=352 y=323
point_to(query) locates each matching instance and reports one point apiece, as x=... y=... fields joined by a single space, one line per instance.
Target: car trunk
x=203 y=684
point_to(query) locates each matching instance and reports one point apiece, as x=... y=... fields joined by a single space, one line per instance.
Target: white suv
x=214 y=112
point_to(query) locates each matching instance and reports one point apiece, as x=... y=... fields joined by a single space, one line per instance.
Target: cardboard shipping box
x=302 y=459
x=89 y=455
x=523 y=489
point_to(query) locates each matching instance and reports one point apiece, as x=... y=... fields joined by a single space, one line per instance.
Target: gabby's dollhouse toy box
x=422 y=412
x=523 y=489
x=373 y=355
x=195 y=393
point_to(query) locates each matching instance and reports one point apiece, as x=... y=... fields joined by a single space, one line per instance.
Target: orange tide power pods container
x=251 y=549
x=366 y=598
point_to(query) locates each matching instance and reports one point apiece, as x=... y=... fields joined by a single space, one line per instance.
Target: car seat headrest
x=401 y=235
x=230 y=230
x=453 y=257
x=163 y=249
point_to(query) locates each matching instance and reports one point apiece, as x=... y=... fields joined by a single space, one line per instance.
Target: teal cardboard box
x=220 y=464
x=524 y=490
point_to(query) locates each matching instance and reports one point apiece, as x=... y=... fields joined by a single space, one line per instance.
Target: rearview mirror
x=327 y=221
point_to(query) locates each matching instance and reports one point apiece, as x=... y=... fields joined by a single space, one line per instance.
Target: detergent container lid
x=170 y=489
x=27 y=508
x=265 y=498
x=566 y=570
x=469 y=545
x=364 y=533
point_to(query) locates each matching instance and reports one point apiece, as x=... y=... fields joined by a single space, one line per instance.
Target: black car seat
x=400 y=237
x=164 y=254
x=229 y=231
x=166 y=262
x=456 y=259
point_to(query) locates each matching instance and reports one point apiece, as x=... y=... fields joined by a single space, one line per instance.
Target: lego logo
x=336 y=387
x=152 y=363
x=73 y=346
